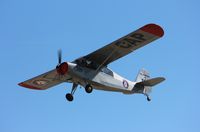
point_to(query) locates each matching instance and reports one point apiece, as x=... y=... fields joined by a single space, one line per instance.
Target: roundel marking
x=125 y=84
x=40 y=82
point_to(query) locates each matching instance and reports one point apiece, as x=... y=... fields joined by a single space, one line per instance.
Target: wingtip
x=162 y=78
x=22 y=84
x=153 y=29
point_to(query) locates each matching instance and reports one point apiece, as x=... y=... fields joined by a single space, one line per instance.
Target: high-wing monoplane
x=91 y=71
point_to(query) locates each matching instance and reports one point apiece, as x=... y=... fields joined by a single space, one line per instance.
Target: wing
x=123 y=46
x=45 y=81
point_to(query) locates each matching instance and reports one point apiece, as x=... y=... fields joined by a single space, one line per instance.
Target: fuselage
x=104 y=79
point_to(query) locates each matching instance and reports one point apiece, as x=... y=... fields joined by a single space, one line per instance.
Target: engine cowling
x=62 y=68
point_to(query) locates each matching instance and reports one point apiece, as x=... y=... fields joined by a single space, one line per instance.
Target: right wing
x=123 y=46
x=45 y=81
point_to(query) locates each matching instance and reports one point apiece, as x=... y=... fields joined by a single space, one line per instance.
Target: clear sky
x=31 y=32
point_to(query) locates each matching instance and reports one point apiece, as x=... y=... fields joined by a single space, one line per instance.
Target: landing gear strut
x=88 y=88
x=148 y=98
x=69 y=96
x=145 y=92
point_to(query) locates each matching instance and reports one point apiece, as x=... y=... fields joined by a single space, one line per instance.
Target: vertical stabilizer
x=144 y=83
x=142 y=75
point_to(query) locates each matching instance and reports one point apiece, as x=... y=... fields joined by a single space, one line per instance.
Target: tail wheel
x=88 y=88
x=148 y=98
x=69 y=97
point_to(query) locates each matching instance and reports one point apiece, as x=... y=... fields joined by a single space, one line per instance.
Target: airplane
x=91 y=71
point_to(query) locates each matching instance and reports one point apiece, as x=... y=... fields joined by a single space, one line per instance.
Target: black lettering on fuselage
x=130 y=41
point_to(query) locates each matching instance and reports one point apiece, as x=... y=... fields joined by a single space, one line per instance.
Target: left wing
x=44 y=81
x=123 y=46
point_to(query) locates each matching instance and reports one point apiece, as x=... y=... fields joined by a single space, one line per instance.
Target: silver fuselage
x=104 y=79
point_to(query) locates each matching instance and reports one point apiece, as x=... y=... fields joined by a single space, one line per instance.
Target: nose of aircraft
x=62 y=68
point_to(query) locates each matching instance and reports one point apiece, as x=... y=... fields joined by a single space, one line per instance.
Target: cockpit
x=107 y=71
x=86 y=63
x=92 y=65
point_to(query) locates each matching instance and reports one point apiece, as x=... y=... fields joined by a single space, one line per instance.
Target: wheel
x=69 y=97
x=148 y=98
x=88 y=88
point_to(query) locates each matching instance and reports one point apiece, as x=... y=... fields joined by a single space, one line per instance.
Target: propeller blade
x=59 y=56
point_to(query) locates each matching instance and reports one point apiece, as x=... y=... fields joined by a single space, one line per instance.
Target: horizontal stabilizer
x=152 y=82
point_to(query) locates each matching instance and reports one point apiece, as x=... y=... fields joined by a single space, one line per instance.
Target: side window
x=107 y=71
x=86 y=63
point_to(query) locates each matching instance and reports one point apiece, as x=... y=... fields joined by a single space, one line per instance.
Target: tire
x=69 y=97
x=88 y=89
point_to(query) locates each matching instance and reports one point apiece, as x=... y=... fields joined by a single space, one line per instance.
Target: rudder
x=142 y=75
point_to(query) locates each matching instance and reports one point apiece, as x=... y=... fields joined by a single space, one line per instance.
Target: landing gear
x=145 y=92
x=148 y=98
x=88 y=88
x=69 y=96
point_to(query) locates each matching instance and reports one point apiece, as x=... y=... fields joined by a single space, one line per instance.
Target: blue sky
x=32 y=31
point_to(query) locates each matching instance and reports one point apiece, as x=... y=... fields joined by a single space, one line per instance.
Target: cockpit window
x=86 y=63
x=107 y=71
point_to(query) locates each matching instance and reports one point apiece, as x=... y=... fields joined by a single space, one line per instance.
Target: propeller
x=62 y=67
x=59 y=56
